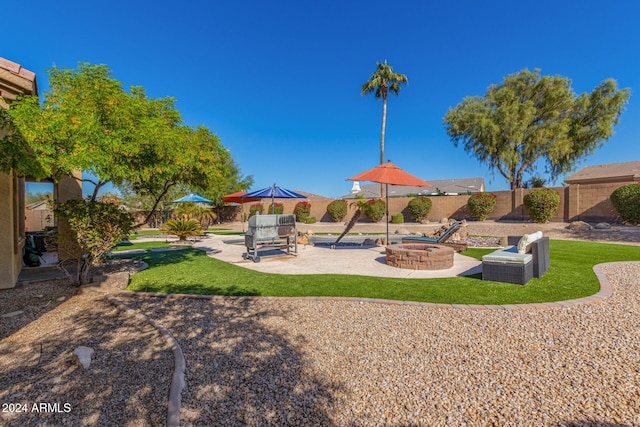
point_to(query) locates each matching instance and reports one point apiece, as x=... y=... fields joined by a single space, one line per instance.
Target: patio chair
x=441 y=239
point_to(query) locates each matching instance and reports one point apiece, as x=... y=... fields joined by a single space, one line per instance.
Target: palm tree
x=381 y=82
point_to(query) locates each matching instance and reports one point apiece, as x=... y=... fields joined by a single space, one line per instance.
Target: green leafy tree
x=382 y=82
x=94 y=228
x=529 y=117
x=89 y=122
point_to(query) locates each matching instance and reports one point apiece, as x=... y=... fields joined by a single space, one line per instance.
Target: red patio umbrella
x=388 y=173
x=237 y=197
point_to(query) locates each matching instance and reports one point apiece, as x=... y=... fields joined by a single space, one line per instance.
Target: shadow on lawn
x=241 y=367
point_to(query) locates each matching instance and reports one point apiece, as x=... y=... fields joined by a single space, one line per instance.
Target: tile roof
x=624 y=171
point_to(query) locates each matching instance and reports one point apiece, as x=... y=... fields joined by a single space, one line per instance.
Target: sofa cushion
x=508 y=254
x=524 y=244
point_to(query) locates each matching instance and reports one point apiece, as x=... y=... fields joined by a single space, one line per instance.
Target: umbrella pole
x=387 y=196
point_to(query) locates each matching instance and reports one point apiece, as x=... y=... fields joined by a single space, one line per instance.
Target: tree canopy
x=529 y=117
x=89 y=122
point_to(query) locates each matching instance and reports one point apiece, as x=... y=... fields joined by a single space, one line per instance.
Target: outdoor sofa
x=526 y=257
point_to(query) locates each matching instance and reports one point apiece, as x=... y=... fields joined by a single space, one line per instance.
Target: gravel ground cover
x=303 y=362
x=126 y=385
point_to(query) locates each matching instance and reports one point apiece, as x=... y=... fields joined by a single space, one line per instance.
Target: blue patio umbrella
x=274 y=192
x=194 y=198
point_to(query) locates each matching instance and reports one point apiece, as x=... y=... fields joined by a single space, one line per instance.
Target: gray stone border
x=179 y=366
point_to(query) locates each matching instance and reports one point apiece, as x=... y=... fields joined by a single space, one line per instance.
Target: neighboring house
x=38 y=215
x=438 y=187
x=15 y=81
x=604 y=174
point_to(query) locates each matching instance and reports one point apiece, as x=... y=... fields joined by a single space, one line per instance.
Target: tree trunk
x=384 y=125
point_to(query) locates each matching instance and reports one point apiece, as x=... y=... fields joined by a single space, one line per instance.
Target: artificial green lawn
x=571 y=276
x=125 y=246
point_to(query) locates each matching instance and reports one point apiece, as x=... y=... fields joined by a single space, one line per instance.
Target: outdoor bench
x=526 y=257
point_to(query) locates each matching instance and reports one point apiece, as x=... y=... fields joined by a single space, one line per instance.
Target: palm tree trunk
x=384 y=125
x=352 y=222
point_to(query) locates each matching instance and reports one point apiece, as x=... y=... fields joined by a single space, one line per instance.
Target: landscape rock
x=579 y=226
x=310 y=233
x=83 y=356
x=381 y=241
x=303 y=240
x=444 y=221
x=13 y=313
x=369 y=242
x=402 y=232
x=603 y=226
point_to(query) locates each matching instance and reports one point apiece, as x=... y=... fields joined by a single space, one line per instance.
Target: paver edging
x=179 y=365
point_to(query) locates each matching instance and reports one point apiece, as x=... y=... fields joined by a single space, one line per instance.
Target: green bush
x=337 y=210
x=481 y=205
x=397 y=218
x=302 y=210
x=256 y=209
x=375 y=209
x=182 y=228
x=541 y=204
x=309 y=220
x=277 y=208
x=419 y=207
x=626 y=201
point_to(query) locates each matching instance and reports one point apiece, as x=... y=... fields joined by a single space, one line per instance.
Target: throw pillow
x=523 y=243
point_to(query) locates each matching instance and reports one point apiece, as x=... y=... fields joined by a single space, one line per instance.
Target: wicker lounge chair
x=507 y=265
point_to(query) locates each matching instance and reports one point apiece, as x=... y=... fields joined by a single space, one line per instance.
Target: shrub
x=94 y=228
x=337 y=210
x=309 y=220
x=481 y=205
x=375 y=209
x=256 y=209
x=419 y=207
x=277 y=208
x=397 y=218
x=541 y=204
x=182 y=228
x=302 y=210
x=626 y=201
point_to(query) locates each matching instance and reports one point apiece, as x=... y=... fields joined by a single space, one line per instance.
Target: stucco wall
x=11 y=240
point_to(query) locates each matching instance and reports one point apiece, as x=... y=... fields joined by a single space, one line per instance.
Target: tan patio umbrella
x=388 y=173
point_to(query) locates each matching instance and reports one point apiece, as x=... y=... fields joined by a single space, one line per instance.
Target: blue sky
x=279 y=82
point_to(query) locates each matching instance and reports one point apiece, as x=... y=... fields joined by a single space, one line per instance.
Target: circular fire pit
x=420 y=256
